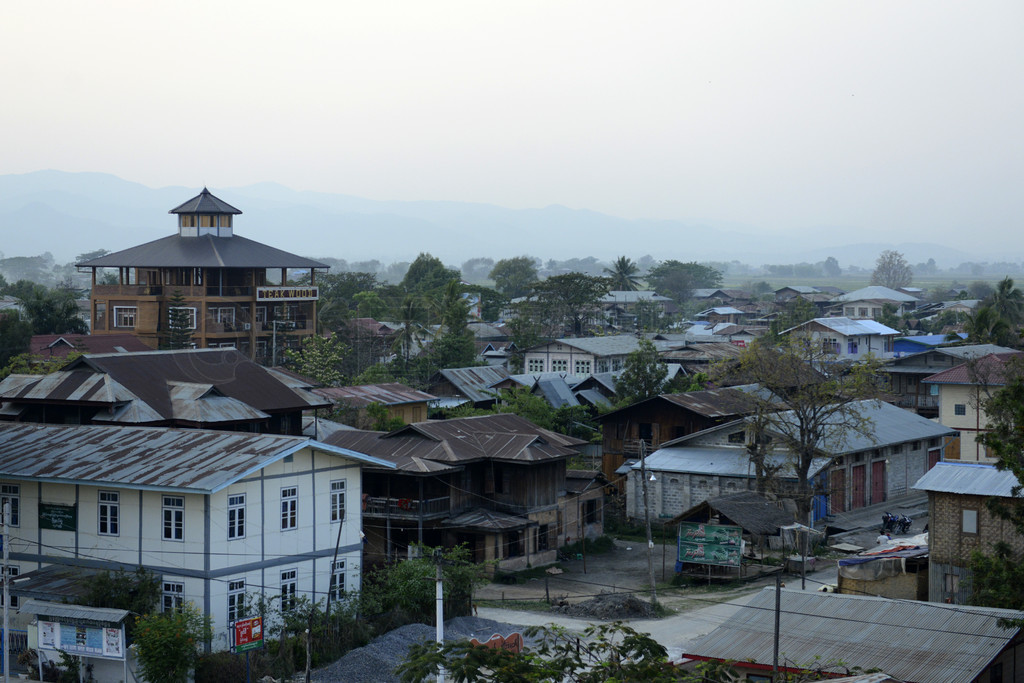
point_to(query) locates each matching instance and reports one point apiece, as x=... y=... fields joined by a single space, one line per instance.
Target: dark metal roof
x=204 y=202
x=909 y=640
x=473 y=383
x=206 y=251
x=712 y=403
x=155 y=458
x=454 y=442
x=488 y=520
x=410 y=456
x=390 y=394
x=146 y=375
x=748 y=509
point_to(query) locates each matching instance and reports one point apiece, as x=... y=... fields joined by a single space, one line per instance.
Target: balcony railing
x=409 y=508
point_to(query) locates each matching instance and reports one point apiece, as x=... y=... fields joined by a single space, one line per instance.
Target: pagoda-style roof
x=206 y=251
x=204 y=202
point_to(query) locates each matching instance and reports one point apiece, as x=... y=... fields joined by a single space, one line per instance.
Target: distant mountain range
x=72 y=213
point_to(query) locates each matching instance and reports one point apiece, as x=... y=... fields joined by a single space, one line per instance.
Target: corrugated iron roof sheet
x=64 y=611
x=968 y=479
x=474 y=383
x=848 y=327
x=557 y=392
x=206 y=251
x=750 y=510
x=718 y=461
x=389 y=394
x=923 y=642
x=876 y=292
x=488 y=520
x=202 y=461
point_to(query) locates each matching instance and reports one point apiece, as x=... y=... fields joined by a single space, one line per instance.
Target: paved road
x=697 y=612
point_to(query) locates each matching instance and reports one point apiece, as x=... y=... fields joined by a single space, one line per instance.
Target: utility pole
x=647 y=521
x=778 y=612
x=7 y=593
x=439 y=635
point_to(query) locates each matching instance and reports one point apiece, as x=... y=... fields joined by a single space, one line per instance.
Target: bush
x=596 y=546
x=168 y=643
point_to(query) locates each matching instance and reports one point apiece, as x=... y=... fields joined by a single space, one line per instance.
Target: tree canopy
x=623 y=275
x=428 y=274
x=643 y=374
x=571 y=300
x=514 y=276
x=678 y=280
x=892 y=270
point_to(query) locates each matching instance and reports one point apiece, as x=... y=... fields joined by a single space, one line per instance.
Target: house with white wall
x=217 y=515
x=962 y=392
x=848 y=339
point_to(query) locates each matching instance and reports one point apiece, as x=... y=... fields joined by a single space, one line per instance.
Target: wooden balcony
x=406 y=508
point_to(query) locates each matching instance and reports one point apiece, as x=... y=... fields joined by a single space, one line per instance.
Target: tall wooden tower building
x=236 y=291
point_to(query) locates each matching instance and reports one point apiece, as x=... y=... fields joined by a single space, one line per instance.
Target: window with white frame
x=337 y=579
x=11 y=493
x=124 y=316
x=289 y=508
x=12 y=571
x=236 y=516
x=173 y=596
x=559 y=365
x=261 y=314
x=582 y=367
x=959 y=408
x=535 y=365
x=174 y=518
x=191 y=323
x=109 y=513
x=224 y=314
x=338 y=500
x=288 y=586
x=236 y=600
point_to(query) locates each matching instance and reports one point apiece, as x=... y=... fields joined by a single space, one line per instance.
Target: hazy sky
x=890 y=116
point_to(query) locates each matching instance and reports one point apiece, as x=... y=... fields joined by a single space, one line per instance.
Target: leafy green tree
x=571 y=300
x=370 y=304
x=889 y=318
x=985 y=326
x=643 y=375
x=796 y=311
x=15 y=336
x=602 y=652
x=1008 y=302
x=321 y=359
x=892 y=270
x=831 y=267
x=168 y=643
x=54 y=311
x=403 y=593
x=514 y=276
x=623 y=274
x=427 y=274
x=410 y=332
x=179 y=327
x=137 y=591
x=381 y=420
x=678 y=280
x=476 y=270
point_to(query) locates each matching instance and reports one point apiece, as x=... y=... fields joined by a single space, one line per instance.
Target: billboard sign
x=710 y=544
x=248 y=634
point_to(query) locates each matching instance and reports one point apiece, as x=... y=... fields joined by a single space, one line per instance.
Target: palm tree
x=411 y=331
x=986 y=326
x=1008 y=302
x=623 y=274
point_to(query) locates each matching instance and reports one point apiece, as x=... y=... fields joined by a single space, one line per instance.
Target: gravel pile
x=376 y=662
x=610 y=607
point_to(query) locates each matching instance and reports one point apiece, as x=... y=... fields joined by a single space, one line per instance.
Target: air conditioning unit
x=246 y=326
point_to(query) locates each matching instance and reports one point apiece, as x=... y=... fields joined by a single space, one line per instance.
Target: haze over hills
x=71 y=213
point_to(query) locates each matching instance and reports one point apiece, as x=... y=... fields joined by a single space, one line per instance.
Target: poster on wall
x=710 y=544
x=74 y=639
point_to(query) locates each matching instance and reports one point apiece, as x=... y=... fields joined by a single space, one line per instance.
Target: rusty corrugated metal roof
x=201 y=461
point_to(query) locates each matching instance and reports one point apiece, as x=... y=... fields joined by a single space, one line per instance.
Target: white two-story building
x=217 y=515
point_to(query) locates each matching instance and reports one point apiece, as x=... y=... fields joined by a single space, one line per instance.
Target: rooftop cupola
x=204 y=214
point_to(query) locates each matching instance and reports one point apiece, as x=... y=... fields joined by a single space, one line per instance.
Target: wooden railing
x=375 y=506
